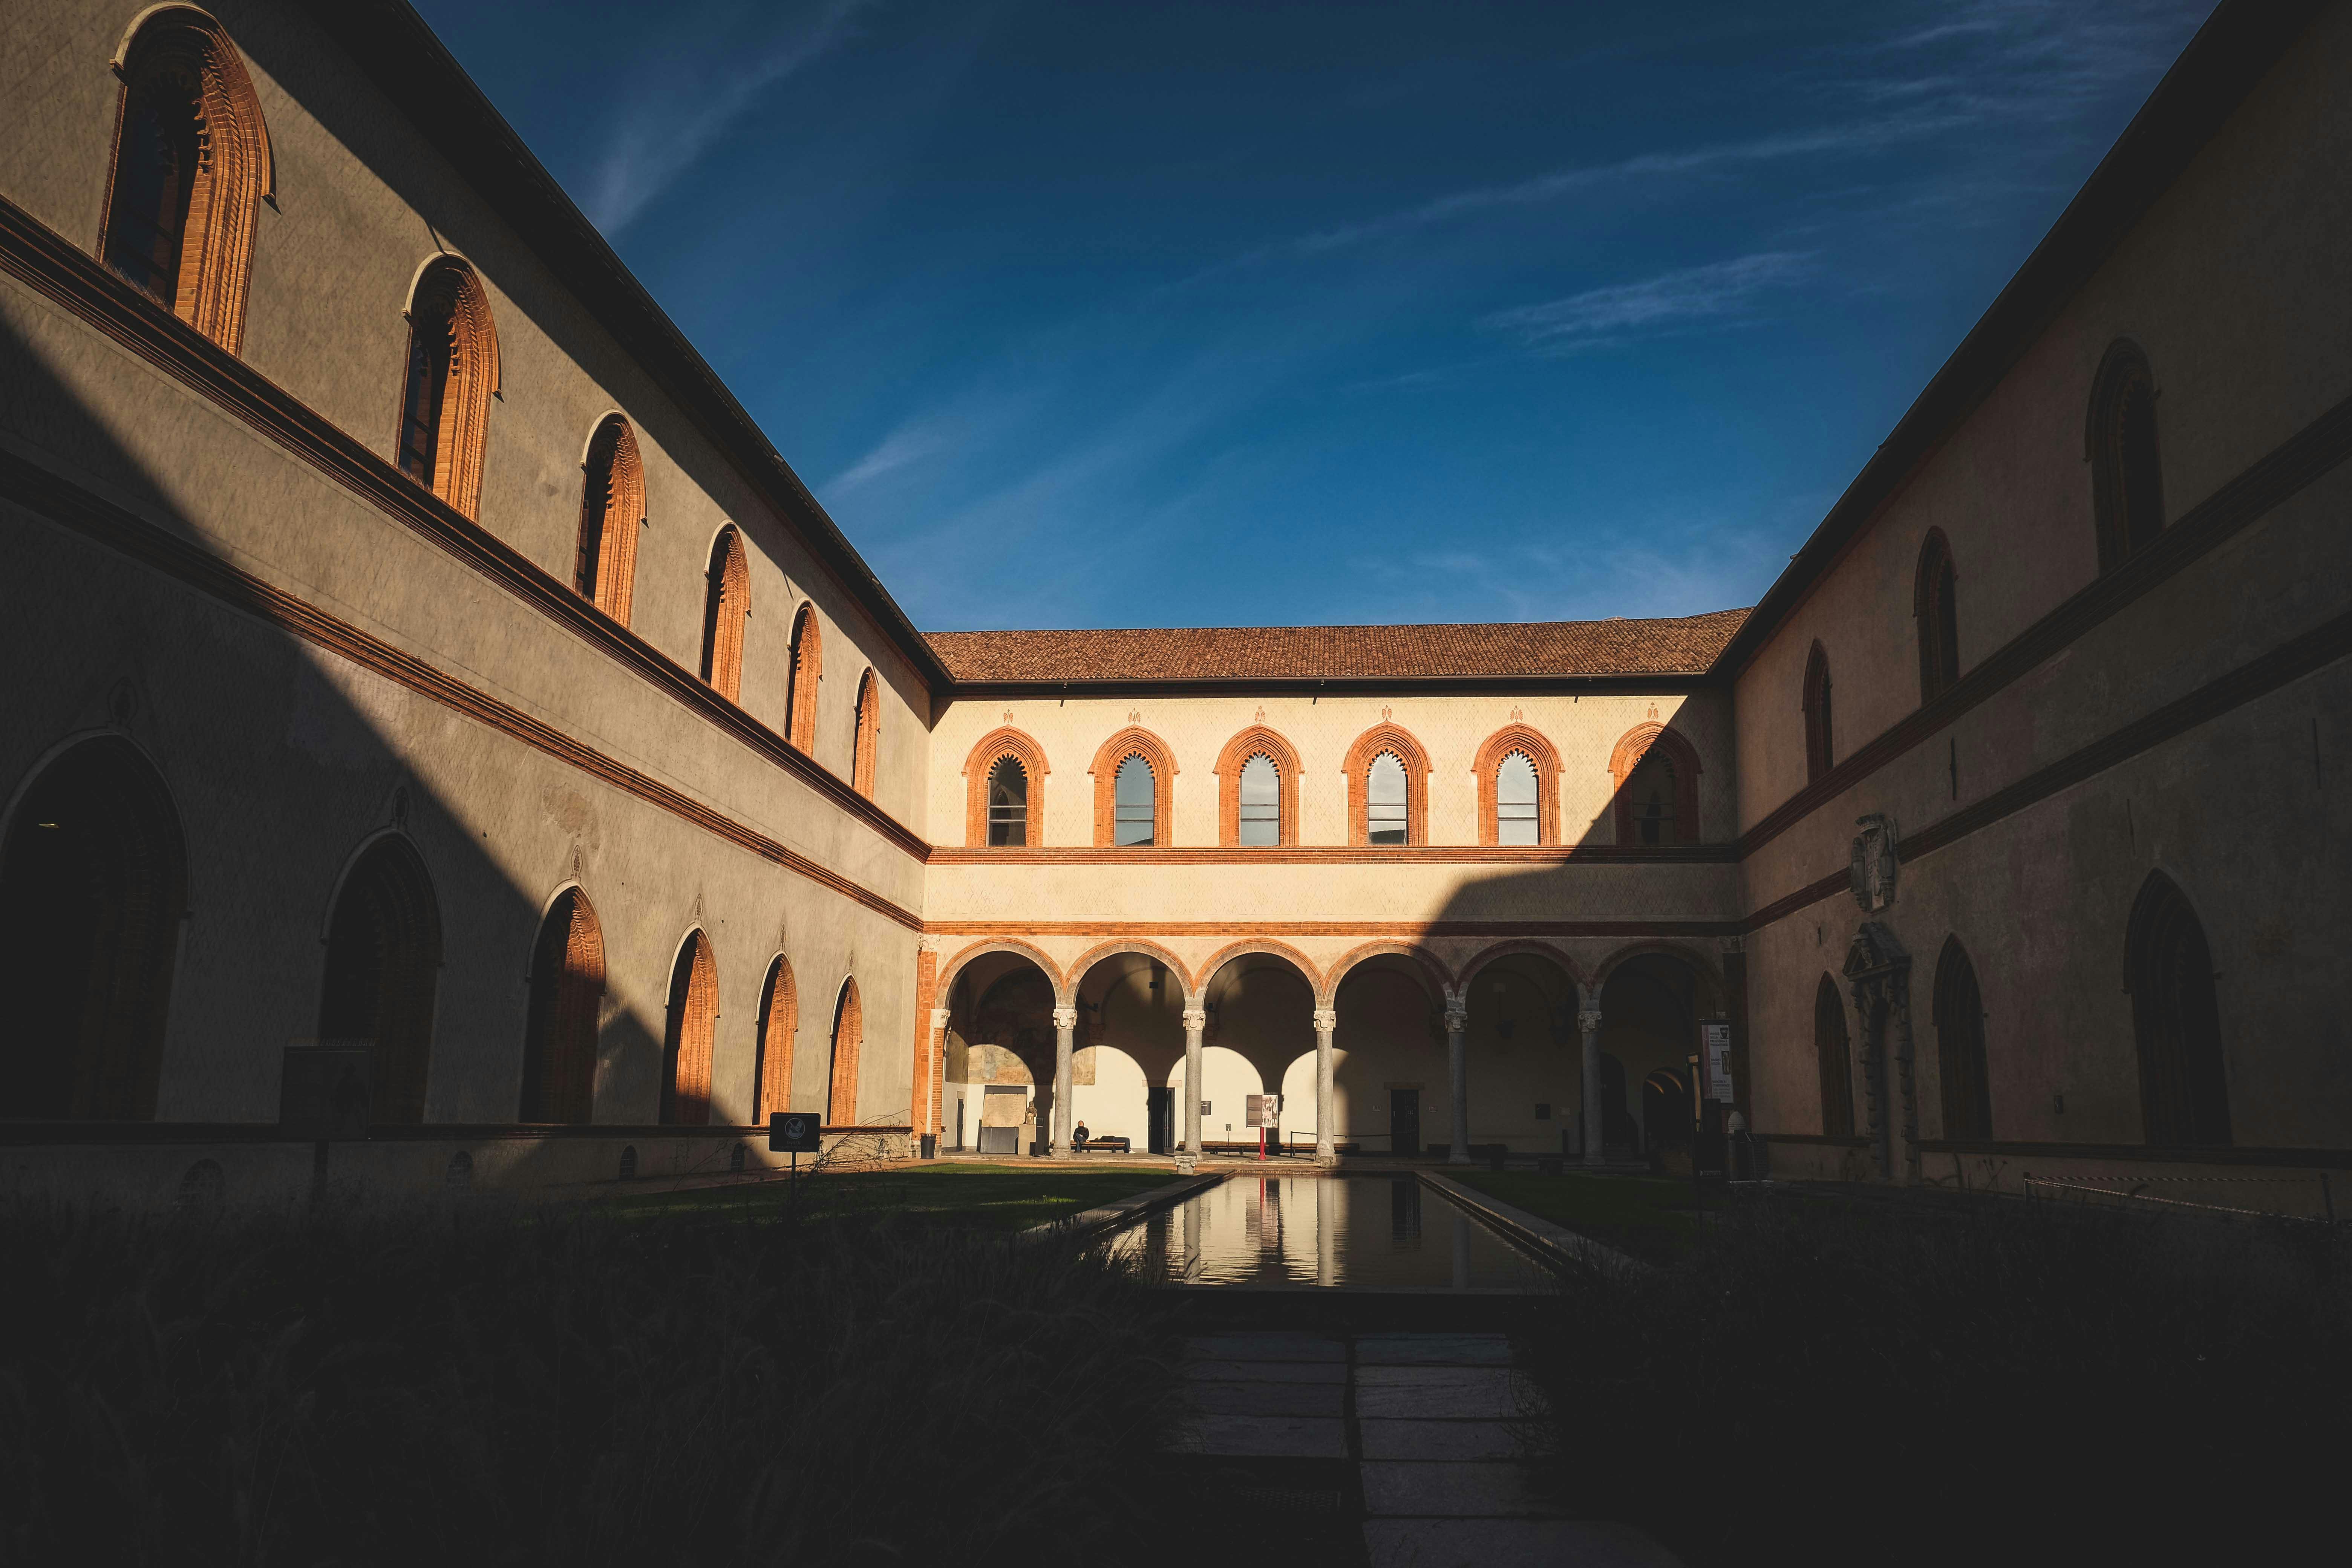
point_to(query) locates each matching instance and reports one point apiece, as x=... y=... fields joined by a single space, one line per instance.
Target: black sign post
x=793 y=1132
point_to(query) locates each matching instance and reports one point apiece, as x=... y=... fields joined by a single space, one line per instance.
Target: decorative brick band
x=807 y=678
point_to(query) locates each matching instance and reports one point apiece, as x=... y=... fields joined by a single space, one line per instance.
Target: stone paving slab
x=1262 y=1437
x=1265 y=1371
x=1440 y=1441
x=1434 y=1349
x=1264 y=1347
x=1476 y=1490
x=1489 y=1542
x=1266 y=1398
x=1478 y=1393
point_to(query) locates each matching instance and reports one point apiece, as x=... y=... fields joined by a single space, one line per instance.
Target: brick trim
x=1084 y=961
x=1632 y=748
x=1135 y=741
x=446 y=289
x=1257 y=741
x=1283 y=951
x=235 y=169
x=1539 y=750
x=780 y=1028
x=726 y=603
x=690 y=1023
x=848 y=1041
x=1062 y=989
x=997 y=743
x=923 y=1112
x=612 y=515
x=1387 y=736
x=862 y=744
x=807 y=678
x=567 y=993
x=1433 y=967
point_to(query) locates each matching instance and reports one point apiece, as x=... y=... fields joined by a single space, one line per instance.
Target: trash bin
x=930 y=1145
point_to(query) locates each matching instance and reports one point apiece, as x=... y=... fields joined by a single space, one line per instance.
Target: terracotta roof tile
x=1686 y=645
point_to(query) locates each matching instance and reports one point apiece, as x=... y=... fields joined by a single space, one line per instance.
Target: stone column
x=1595 y=1132
x=1326 y=1148
x=1196 y=1019
x=1065 y=1029
x=1457 y=1063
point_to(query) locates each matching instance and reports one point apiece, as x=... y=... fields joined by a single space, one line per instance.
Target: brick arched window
x=383 y=963
x=1935 y=607
x=780 y=1024
x=612 y=511
x=453 y=369
x=727 y=600
x=1832 y=1056
x=1004 y=808
x=1655 y=797
x=1135 y=789
x=1960 y=1046
x=93 y=884
x=567 y=992
x=848 y=1038
x=688 y=1031
x=1257 y=789
x=807 y=676
x=869 y=735
x=1519 y=802
x=2126 y=462
x=2184 y=1081
x=1388 y=803
x=1819 y=751
x=191 y=166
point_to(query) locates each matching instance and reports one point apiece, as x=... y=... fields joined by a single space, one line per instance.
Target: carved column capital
x=1196 y=1018
x=1457 y=1017
x=1588 y=1020
x=1065 y=1017
x=1326 y=1020
x=929 y=944
x=939 y=1019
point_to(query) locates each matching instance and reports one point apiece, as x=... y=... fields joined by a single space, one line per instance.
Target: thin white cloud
x=1670 y=299
x=663 y=134
x=910 y=443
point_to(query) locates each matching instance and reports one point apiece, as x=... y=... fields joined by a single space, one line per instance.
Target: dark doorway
x=91 y=898
x=1405 y=1122
x=567 y=992
x=1159 y=1117
x=383 y=959
x=1620 y=1138
x=2177 y=1018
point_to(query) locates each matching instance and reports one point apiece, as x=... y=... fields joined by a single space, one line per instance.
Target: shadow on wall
x=213 y=846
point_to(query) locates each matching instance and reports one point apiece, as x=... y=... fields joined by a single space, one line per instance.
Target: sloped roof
x=1685 y=645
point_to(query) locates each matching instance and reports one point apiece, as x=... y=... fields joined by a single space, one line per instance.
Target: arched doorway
x=688 y=1032
x=1526 y=1062
x=1129 y=1046
x=849 y=1040
x=1259 y=1005
x=383 y=963
x=1391 y=1086
x=1649 y=1004
x=2176 y=1019
x=1667 y=1122
x=1000 y=1055
x=92 y=890
x=567 y=991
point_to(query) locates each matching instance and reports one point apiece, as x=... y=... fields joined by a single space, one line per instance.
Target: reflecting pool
x=1364 y=1233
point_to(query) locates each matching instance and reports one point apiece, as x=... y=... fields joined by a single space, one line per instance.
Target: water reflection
x=1337 y=1232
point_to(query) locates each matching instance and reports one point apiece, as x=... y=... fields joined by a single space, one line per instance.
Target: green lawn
x=970 y=1196
x=1648 y=1216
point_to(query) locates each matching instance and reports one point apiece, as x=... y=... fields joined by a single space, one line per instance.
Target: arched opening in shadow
x=453 y=369
x=1962 y=1074
x=1649 y=1022
x=2127 y=464
x=688 y=1031
x=999 y=1056
x=1667 y=1121
x=1821 y=742
x=567 y=991
x=1392 y=1089
x=92 y=890
x=1130 y=1040
x=1261 y=1007
x=1935 y=610
x=727 y=600
x=612 y=511
x=383 y=962
x=779 y=1028
x=1834 y=1055
x=1525 y=1057
x=1653 y=774
x=848 y=1042
x=869 y=734
x=2176 y=1018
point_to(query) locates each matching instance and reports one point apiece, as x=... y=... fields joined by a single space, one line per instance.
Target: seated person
x=1078 y=1138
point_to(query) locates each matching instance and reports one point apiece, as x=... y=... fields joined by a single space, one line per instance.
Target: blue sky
x=1129 y=314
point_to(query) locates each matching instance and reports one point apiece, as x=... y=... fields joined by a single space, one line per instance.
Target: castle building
x=440 y=724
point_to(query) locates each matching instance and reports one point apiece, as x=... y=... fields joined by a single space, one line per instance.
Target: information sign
x=1718 y=1062
x=792 y=1131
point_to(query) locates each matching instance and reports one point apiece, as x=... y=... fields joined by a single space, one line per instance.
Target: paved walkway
x=1421 y=1438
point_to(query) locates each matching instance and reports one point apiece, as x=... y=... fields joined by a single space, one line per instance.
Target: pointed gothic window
x=1820 y=750
x=1384 y=801
x=1133 y=808
x=1260 y=816
x=1515 y=800
x=1008 y=802
x=2127 y=467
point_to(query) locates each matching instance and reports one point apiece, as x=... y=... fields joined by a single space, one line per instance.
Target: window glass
x=1515 y=800
x=1131 y=795
x=1008 y=802
x=1651 y=787
x=1261 y=802
x=1384 y=804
